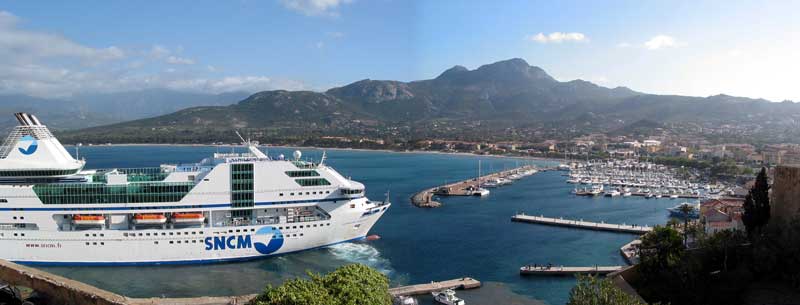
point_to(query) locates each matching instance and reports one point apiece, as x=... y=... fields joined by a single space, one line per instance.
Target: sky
x=699 y=48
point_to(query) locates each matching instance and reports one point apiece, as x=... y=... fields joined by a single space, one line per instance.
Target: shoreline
x=328 y=148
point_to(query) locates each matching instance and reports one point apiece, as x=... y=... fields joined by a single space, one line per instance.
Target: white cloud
x=315 y=7
x=320 y=44
x=159 y=51
x=662 y=42
x=175 y=60
x=17 y=44
x=624 y=45
x=42 y=64
x=235 y=83
x=558 y=37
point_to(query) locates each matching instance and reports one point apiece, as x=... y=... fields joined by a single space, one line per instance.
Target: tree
x=686 y=209
x=661 y=250
x=756 y=205
x=749 y=216
x=593 y=291
x=354 y=284
x=761 y=198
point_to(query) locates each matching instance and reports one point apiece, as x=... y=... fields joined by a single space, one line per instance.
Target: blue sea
x=467 y=236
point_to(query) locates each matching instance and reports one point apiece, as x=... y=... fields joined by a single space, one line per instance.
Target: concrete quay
x=597 y=226
x=462 y=283
x=561 y=270
x=424 y=198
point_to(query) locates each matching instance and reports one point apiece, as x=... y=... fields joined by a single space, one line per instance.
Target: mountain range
x=510 y=92
x=86 y=110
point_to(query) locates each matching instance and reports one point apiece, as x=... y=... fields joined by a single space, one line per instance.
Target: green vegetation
x=593 y=291
x=354 y=284
x=682 y=162
x=756 y=205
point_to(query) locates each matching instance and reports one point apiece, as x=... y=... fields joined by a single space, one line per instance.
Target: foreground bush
x=349 y=285
x=593 y=291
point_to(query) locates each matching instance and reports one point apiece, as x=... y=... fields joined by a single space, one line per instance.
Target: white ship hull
x=192 y=245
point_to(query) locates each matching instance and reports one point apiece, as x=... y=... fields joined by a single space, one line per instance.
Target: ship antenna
x=322 y=160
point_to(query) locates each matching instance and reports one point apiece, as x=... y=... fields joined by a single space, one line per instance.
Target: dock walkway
x=424 y=198
x=561 y=270
x=462 y=283
x=597 y=226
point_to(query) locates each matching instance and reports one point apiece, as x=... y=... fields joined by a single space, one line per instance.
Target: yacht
x=613 y=193
x=677 y=211
x=227 y=207
x=448 y=297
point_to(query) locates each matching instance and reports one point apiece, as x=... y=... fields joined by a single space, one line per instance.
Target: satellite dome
x=297 y=154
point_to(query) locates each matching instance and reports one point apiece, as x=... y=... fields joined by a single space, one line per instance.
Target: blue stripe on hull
x=184 y=262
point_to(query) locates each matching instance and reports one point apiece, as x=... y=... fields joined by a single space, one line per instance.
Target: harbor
x=472 y=187
x=581 y=224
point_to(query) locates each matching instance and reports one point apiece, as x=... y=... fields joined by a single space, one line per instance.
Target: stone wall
x=785 y=201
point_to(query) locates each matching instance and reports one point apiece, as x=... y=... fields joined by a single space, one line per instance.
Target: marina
x=588 y=225
x=626 y=178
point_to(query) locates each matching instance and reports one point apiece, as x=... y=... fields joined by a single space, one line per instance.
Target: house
x=721 y=214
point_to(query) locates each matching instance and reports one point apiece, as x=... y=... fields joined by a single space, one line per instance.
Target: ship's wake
x=363 y=254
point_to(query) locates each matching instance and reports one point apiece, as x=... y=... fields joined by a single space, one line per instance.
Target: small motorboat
x=448 y=297
x=91 y=220
x=149 y=219
x=188 y=217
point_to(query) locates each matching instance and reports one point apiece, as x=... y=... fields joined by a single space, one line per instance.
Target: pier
x=424 y=199
x=462 y=283
x=597 y=226
x=561 y=270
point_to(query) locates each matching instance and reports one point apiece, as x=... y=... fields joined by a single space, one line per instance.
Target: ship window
x=22 y=234
x=2 y=200
x=140 y=234
x=163 y=234
x=94 y=244
x=194 y=241
x=15 y=217
x=291 y=194
x=102 y=243
x=148 y=234
x=301 y=234
x=125 y=234
x=87 y=234
x=171 y=242
x=87 y=243
x=155 y=242
x=101 y=235
x=22 y=217
x=15 y=234
x=281 y=194
x=179 y=241
x=170 y=233
x=94 y=235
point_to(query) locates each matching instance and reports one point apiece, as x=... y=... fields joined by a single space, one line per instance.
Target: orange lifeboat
x=188 y=217
x=149 y=219
x=94 y=220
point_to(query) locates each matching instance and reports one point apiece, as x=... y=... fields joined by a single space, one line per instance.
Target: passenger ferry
x=228 y=207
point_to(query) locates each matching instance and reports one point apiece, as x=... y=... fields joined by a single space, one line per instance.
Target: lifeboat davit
x=190 y=217
x=94 y=220
x=149 y=219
